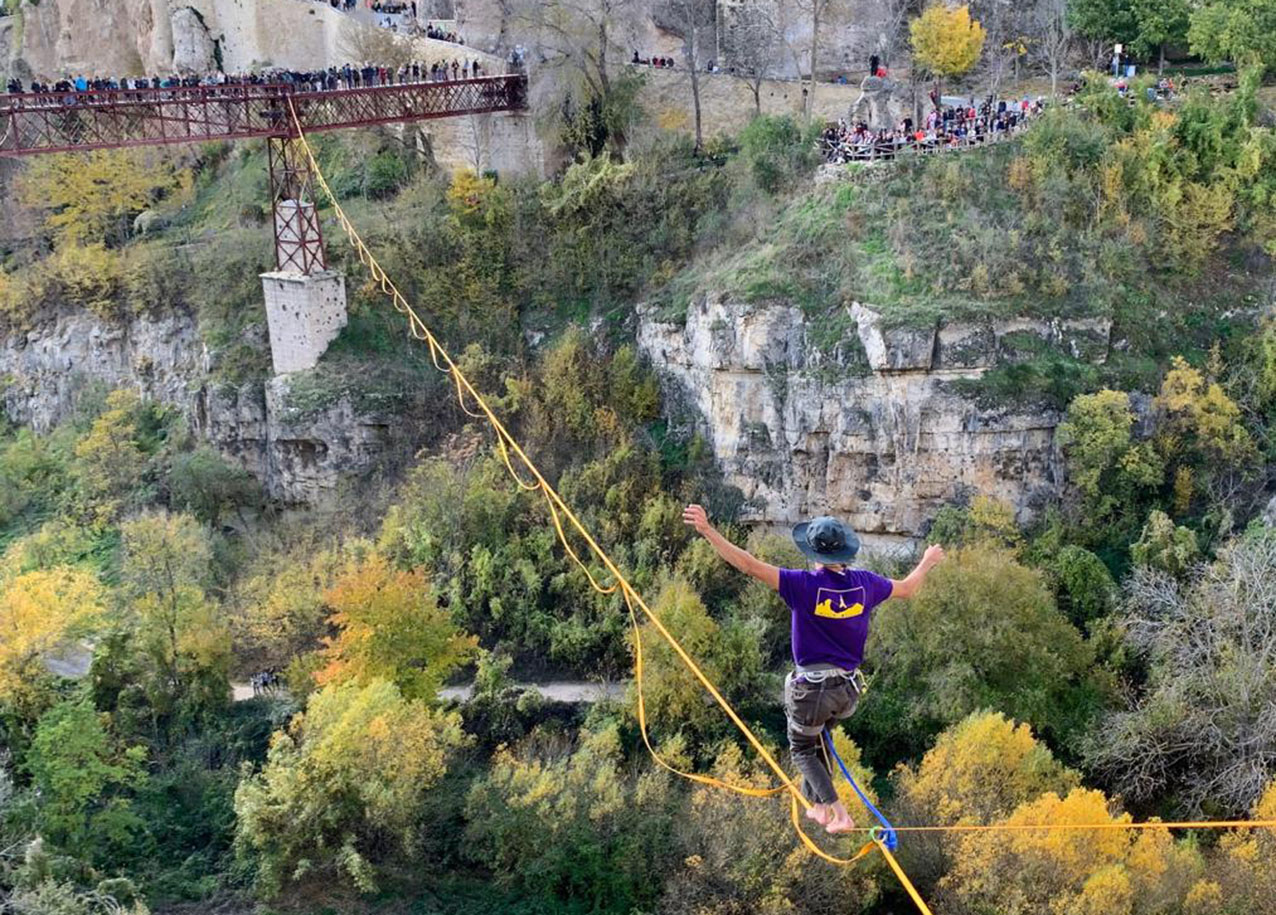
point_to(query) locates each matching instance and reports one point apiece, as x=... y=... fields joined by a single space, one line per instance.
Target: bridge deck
x=33 y=123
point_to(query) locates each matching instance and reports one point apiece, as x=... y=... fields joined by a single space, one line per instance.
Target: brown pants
x=809 y=707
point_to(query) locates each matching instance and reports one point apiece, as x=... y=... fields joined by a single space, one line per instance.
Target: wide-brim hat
x=826 y=540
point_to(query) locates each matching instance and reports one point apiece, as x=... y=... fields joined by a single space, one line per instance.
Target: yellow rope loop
x=562 y=536
x=434 y=349
x=460 y=399
x=646 y=736
x=509 y=465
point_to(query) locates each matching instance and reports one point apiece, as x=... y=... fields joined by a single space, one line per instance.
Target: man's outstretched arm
x=909 y=586
x=741 y=559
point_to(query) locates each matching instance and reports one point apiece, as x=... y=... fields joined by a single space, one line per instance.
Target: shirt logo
x=839 y=605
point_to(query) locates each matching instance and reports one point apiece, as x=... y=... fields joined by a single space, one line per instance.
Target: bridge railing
x=39 y=122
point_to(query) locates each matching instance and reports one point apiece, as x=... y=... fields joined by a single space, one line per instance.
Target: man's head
x=826 y=541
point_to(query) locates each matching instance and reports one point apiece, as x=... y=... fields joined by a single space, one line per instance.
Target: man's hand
x=695 y=516
x=908 y=587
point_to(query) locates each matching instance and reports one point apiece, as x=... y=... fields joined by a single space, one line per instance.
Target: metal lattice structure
x=45 y=122
x=48 y=122
x=298 y=235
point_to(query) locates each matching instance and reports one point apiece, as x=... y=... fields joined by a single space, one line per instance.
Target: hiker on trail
x=831 y=608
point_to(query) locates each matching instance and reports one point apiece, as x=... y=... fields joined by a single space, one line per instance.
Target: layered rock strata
x=869 y=426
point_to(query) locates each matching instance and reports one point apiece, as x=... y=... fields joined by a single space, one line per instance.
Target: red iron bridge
x=35 y=123
x=46 y=122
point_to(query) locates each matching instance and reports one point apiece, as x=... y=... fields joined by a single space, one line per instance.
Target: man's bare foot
x=820 y=813
x=840 y=821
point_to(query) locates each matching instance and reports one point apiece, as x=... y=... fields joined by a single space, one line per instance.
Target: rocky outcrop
x=194 y=50
x=48 y=369
x=868 y=428
x=301 y=456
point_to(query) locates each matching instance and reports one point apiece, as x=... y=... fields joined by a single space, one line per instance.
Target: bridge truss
x=49 y=122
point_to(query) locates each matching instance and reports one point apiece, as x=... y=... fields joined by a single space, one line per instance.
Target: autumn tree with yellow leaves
x=90 y=198
x=946 y=41
x=42 y=612
x=978 y=771
x=389 y=627
x=1070 y=871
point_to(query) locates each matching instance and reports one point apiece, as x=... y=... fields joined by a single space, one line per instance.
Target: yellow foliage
x=40 y=612
x=672 y=119
x=994 y=520
x=1195 y=217
x=1246 y=865
x=89 y=198
x=1200 y=412
x=980 y=769
x=466 y=194
x=279 y=605
x=108 y=460
x=390 y=628
x=1072 y=872
x=1106 y=892
x=946 y=41
x=1204 y=898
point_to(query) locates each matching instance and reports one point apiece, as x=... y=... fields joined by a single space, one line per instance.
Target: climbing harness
x=884 y=837
x=822 y=673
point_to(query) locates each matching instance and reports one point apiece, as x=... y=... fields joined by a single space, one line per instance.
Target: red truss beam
x=298 y=235
x=45 y=122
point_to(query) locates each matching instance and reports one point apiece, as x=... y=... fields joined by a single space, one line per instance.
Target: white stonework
x=305 y=314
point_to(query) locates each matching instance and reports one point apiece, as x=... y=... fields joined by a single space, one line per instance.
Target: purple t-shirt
x=831 y=611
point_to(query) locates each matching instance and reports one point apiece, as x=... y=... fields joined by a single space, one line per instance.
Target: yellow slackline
x=507 y=445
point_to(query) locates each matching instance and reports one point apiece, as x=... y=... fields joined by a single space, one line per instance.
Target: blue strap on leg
x=886 y=832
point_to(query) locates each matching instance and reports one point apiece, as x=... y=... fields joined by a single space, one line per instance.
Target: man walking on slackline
x=831 y=607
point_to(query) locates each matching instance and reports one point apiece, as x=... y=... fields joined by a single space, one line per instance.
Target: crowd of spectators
x=350 y=76
x=441 y=34
x=944 y=127
x=661 y=62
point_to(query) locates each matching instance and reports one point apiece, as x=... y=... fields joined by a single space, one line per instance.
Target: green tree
x=573 y=823
x=1160 y=23
x=178 y=629
x=729 y=655
x=1113 y=473
x=109 y=459
x=983 y=634
x=1166 y=546
x=85 y=781
x=341 y=791
x=1243 y=31
x=1109 y=21
x=205 y=484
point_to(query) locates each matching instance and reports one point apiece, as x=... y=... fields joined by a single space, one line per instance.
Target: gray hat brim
x=846 y=554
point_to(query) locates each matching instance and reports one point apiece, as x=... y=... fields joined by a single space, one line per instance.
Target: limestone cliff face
x=868 y=428
x=301 y=456
x=132 y=37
